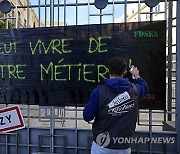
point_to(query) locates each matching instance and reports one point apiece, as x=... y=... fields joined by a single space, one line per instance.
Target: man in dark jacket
x=114 y=105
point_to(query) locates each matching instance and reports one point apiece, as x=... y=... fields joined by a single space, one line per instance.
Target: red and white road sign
x=11 y=119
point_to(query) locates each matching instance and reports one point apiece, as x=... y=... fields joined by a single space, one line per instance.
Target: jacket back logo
x=122 y=103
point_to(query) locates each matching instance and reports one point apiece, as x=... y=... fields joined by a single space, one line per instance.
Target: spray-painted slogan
x=55 y=69
x=61 y=65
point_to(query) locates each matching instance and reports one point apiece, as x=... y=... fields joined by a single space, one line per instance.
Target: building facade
x=18 y=16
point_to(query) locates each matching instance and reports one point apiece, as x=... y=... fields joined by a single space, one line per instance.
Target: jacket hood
x=118 y=85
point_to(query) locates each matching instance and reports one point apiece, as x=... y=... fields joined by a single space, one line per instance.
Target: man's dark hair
x=117 y=65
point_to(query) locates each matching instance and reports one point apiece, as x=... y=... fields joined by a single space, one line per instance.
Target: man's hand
x=135 y=72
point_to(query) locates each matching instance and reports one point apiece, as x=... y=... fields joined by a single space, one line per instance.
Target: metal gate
x=62 y=130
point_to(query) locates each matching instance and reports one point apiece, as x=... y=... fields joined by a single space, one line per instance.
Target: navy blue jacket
x=117 y=85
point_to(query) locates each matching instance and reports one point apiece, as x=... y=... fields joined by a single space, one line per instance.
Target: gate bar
x=170 y=14
x=178 y=77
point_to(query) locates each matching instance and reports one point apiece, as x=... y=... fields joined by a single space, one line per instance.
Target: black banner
x=61 y=65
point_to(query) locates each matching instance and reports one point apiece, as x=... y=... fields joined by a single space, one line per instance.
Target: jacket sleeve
x=142 y=87
x=91 y=109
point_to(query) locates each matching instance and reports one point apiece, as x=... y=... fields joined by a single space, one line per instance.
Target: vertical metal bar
x=150 y=111
x=28 y=125
x=76 y=12
x=166 y=9
x=64 y=12
x=165 y=15
x=51 y=13
x=150 y=130
x=113 y=11
x=139 y=7
x=151 y=14
x=52 y=129
x=6 y=21
x=125 y=11
x=6 y=144
x=138 y=149
x=170 y=61
x=164 y=148
x=46 y=112
x=53 y=122
x=88 y=12
x=58 y=13
x=45 y=12
x=28 y=14
x=76 y=136
x=63 y=113
x=178 y=78
x=16 y=13
x=39 y=12
x=17 y=143
x=100 y=16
